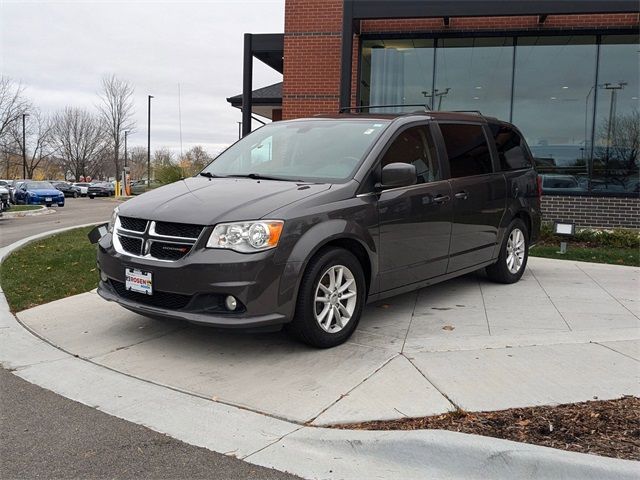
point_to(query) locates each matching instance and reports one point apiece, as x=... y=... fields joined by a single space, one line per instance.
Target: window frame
x=372 y=177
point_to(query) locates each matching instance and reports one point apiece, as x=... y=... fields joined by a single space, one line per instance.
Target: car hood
x=206 y=202
x=44 y=191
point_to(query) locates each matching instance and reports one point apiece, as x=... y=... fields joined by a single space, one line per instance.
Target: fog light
x=231 y=303
x=103 y=276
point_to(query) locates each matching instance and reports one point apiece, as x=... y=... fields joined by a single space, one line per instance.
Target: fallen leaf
x=448 y=327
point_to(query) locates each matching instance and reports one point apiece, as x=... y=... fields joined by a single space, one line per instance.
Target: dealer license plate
x=138 y=281
x=47 y=199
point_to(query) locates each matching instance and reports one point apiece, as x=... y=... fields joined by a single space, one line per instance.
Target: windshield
x=308 y=151
x=39 y=186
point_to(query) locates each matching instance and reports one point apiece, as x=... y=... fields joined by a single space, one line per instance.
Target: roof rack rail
x=426 y=107
x=477 y=112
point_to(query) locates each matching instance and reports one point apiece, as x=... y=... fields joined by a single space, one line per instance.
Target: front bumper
x=43 y=201
x=194 y=287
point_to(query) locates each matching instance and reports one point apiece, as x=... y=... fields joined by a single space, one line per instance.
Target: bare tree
x=138 y=162
x=37 y=137
x=116 y=111
x=12 y=104
x=194 y=160
x=80 y=140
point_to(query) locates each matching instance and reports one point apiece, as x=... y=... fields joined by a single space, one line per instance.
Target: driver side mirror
x=398 y=175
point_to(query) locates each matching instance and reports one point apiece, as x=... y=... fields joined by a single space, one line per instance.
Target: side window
x=467 y=149
x=511 y=148
x=415 y=145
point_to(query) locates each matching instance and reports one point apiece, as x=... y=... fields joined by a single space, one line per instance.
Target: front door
x=415 y=221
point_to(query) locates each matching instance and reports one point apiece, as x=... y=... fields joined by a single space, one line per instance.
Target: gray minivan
x=302 y=222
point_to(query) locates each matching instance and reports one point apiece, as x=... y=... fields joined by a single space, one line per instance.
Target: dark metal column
x=247 y=84
x=347 y=53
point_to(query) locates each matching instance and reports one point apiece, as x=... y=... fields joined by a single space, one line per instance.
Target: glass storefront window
x=474 y=74
x=553 y=100
x=554 y=79
x=396 y=72
x=617 y=126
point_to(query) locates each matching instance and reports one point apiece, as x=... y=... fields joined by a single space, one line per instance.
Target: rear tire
x=328 y=311
x=514 y=254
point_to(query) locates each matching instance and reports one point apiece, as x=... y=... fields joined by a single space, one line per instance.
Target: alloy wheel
x=335 y=298
x=515 y=250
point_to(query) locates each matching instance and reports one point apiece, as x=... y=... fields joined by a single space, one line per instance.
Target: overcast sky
x=60 y=50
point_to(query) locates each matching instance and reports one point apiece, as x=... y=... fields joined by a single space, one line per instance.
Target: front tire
x=330 y=300
x=514 y=254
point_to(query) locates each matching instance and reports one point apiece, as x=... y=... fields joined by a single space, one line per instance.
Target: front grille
x=170 y=301
x=131 y=245
x=183 y=230
x=133 y=224
x=169 y=251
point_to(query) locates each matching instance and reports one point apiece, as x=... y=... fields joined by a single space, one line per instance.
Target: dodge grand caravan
x=302 y=222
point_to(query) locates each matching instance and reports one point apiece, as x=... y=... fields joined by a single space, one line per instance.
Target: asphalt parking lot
x=77 y=211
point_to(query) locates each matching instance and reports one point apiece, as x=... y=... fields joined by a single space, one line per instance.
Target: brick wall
x=595 y=212
x=312 y=40
x=500 y=23
x=313 y=37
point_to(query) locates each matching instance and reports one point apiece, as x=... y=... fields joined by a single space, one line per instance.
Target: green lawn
x=615 y=256
x=49 y=269
x=24 y=208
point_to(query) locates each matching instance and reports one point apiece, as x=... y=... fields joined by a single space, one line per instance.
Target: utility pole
x=149 y=141
x=24 y=147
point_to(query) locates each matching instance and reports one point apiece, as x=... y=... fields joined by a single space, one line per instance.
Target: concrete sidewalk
x=558 y=336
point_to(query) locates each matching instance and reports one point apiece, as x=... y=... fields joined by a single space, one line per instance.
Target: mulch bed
x=610 y=428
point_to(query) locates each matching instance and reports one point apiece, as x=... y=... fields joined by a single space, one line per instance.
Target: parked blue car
x=39 y=193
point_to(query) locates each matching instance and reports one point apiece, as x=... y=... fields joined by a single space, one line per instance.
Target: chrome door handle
x=441 y=199
x=462 y=195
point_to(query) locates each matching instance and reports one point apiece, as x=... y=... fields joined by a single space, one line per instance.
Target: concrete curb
x=28 y=213
x=309 y=452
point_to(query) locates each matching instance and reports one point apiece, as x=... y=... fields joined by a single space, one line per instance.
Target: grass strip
x=24 y=208
x=613 y=256
x=49 y=269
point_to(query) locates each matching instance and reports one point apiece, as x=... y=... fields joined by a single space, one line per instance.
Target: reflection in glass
x=474 y=74
x=396 y=72
x=617 y=130
x=554 y=79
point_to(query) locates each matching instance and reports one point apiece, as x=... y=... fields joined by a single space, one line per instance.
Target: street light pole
x=149 y=141
x=24 y=147
x=126 y=132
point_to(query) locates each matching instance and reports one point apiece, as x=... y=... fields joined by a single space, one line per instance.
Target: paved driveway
x=77 y=211
x=567 y=332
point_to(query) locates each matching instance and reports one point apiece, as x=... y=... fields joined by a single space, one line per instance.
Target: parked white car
x=4 y=198
x=84 y=188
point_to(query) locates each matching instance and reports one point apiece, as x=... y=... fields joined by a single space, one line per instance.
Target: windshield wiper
x=208 y=175
x=259 y=176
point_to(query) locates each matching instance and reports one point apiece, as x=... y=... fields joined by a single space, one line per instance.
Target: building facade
x=566 y=73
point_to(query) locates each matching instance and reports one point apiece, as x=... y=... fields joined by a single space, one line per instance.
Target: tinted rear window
x=511 y=148
x=467 y=149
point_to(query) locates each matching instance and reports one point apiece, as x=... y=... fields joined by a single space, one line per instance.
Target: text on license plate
x=138 y=281
x=47 y=199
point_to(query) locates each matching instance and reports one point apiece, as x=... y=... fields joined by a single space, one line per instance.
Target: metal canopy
x=355 y=10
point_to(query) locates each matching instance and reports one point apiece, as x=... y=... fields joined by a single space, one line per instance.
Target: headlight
x=246 y=237
x=112 y=222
